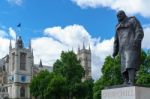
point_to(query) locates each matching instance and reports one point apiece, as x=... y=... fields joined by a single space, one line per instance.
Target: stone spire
x=78 y=48
x=30 y=45
x=40 y=65
x=32 y=52
x=89 y=48
x=83 y=46
x=10 y=46
x=32 y=57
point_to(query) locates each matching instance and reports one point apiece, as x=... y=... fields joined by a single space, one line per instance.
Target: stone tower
x=20 y=70
x=84 y=55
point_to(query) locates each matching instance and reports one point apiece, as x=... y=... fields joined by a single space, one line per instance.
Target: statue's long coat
x=127 y=42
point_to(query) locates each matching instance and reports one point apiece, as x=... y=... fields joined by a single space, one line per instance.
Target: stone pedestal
x=132 y=92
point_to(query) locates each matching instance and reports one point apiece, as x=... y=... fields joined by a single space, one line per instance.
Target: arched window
x=23 y=61
x=13 y=61
x=22 y=91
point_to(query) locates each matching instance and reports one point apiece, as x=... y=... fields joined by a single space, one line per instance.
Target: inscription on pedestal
x=119 y=93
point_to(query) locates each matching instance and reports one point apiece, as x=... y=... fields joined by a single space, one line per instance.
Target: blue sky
x=37 y=15
x=63 y=24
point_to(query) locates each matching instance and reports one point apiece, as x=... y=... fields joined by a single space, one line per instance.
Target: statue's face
x=121 y=16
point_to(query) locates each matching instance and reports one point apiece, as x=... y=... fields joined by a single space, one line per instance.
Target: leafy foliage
x=111 y=74
x=56 y=88
x=69 y=67
x=65 y=82
x=143 y=76
x=39 y=83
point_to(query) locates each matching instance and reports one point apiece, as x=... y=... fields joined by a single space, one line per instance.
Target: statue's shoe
x=130 y=83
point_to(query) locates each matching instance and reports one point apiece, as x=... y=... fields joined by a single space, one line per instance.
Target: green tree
x=89 y=85
x=58 y=67
x=111 y=75
x=111 y=71
x=98 y=86
x=69 y=67
x=56 y=88
x=79 y=90
x=64 y=82
x=39 y=83
x=143 y=75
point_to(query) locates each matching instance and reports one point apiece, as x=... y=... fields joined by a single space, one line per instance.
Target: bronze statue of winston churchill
x=127 y=42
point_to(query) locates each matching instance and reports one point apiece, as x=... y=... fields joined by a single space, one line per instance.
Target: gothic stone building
x=17 y=69
x=84 y=55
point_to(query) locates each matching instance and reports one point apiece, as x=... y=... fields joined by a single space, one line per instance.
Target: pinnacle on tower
x=10 y=46
x=32 y=53
x=30 y=44
x=89 y=48
x=83 y=46
x=78 y=48
x=40 y=65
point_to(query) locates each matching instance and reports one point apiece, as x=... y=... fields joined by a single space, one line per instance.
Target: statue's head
x=121 y=15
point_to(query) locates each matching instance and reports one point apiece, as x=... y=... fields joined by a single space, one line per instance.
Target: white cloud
x=58 y=39
x=16 y=2
x=47 y=49
x=4 y=42
x=61 y=39
x=99 y=53
x=3 y=33
x=146 y=40
x=3 y=47
x=69 y=34
x=93 y=3
x=130 y=6
x=12 y=33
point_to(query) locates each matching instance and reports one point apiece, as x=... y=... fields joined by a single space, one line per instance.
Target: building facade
x=84 y=55
x=16 y=71
x=19 y=71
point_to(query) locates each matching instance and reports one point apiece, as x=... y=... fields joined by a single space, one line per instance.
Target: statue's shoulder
x=133 y=18
x=117 y=26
